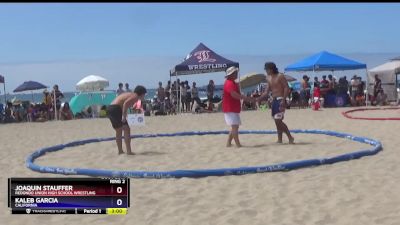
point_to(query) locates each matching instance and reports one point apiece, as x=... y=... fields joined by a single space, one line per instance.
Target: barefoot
x=291 y=141
x=239 y=146
x=130 y=153
x=279 y=141
x=228 y=145
x=120 y=152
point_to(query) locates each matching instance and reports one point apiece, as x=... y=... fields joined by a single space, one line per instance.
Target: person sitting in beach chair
x=294 y=99
x=8 y=113
x=200 y=107
x=103 y=111
x=65 y=112
x=381 y=99
x=247 y=105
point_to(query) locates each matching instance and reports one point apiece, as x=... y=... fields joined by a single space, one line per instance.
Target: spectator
x=31 y=113
x=324 y=86
x=87 y=112
x=294 y=98
x=120 y=90
x=47 y=101
x=58 y=95
x=210 y=94
x=127 y=88
x=361 y=86
x=305 y=93
x=178 y=90
x=377 y=86
x=195 y=95
x=324 y=82
x=354 y=84
x=188 y=96
x=174 y=94
x=168 y=90
x=183 y=96
x=66 y=113
x=255 y=95
x=9 y=114
x=316 y=82
x=103 y=111
x=41 y=113
x=381 y=98
x=160 y=92
x=331 y=85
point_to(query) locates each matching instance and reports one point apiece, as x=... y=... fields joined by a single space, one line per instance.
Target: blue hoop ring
x=377 y=146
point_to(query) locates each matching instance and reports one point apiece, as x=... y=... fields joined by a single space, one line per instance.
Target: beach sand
x=363 y=191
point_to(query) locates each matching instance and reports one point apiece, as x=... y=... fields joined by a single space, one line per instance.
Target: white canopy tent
x=389 y=73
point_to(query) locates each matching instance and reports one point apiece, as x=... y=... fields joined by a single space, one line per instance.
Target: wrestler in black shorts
x=114 y=113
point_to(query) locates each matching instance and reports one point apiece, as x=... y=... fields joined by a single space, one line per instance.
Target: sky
x=139 y=43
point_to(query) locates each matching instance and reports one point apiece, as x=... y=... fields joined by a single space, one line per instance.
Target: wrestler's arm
x=128 y=103
x=266 y=92
x=238 y=96
x=286 y=89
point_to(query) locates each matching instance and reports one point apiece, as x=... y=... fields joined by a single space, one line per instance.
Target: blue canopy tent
x=326 y=61
x=201 y=60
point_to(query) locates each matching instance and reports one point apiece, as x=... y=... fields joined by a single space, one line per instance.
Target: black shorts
x=114 y=113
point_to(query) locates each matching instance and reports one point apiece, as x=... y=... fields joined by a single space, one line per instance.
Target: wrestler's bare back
x=122 y=98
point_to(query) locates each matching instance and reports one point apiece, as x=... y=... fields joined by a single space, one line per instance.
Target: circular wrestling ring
x=377 y=146
x=346 y=114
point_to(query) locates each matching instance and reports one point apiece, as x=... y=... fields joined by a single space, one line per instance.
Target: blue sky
x=63 y=42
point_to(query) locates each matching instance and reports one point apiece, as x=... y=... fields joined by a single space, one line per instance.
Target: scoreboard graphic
x=68 y=195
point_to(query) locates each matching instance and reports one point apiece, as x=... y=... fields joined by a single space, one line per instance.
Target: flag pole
x=4 y=86
x=5 y=97
x=55 y=107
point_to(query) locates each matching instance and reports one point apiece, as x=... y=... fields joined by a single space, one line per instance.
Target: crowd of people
x=353 y=90
x=181 y=96
x=25 y=111
x=329 y=87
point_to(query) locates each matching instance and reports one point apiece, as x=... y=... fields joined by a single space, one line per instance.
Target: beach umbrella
x=92 y=83
x=30 y=86
x=290 y=78
x=252 y=79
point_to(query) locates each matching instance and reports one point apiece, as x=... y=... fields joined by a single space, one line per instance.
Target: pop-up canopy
x=325 y=61
x=202 y=60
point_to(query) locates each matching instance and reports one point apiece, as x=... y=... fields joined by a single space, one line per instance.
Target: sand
x=363 y=191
